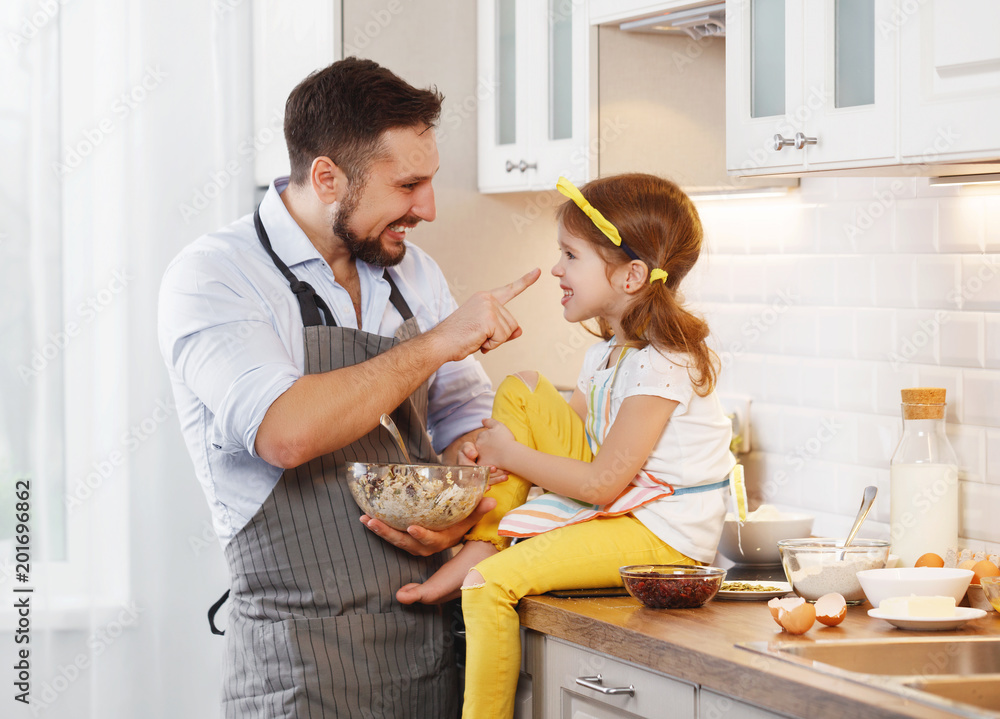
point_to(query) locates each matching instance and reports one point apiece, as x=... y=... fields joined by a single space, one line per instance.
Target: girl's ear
x=636 y=277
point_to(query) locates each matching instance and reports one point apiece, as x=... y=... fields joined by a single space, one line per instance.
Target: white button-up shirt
x=230 y=332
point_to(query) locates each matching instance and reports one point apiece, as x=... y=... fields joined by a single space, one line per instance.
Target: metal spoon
x=866 y=507
x=386 y=421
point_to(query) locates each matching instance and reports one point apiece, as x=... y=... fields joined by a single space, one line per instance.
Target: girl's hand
x=468 y=455
x=493 y=441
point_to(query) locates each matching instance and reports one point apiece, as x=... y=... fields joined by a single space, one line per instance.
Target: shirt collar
x=288 y=240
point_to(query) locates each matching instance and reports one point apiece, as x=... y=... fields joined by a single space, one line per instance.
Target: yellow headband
x=658 y=274
x=569 y=189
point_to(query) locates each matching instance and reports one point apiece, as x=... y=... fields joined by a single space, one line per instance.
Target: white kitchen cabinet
x=950 y=87
x=574 y=683
x=606 y=11
x=810 y=85
x=290 y=40
x=533 y=115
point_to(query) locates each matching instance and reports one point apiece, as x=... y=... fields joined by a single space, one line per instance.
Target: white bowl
x=882 y=584
x=756 y=542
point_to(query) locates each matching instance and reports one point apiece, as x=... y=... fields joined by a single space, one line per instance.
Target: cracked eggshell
x=778 y=603
x=831 y=609
x=797 y=620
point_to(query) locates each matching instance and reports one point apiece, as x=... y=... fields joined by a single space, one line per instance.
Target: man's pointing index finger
x=508 y=292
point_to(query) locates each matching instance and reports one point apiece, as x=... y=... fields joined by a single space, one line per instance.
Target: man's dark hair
x=342 y=111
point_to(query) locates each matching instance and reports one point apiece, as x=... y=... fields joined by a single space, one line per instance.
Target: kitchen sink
x=903 y=656
x=979 y=691
x=961 y=676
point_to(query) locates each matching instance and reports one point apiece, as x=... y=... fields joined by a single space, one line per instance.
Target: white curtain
x=124 y=131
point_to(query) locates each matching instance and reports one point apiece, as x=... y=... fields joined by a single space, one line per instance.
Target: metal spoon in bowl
x=386 y=421
x=866 y=507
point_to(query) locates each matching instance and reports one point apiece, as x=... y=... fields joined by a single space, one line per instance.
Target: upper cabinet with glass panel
x=833 y=85
x=533 y=105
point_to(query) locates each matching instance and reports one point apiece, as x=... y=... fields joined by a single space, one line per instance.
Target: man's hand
x=423 y=542
x=483 y=322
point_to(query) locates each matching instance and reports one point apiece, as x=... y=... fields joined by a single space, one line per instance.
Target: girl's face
x=583 y=278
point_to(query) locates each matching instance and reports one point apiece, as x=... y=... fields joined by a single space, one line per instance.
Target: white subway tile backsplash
x=875 y=332
x=877 y=439
x=855 y=281
x=935 y=278
x=799 y=331
x=817 y=383
x=855 y=386
x=962 y=339
x=827 y=302
x=991 y=210
x=969 y=444
x=981 y=397
x=915 y=226
x=979 y=503
x=890 y=380
x=917 y=336
x=893 y=279
x=835 y=331
x=992 y=456
x=980 y=287
x=961 y=224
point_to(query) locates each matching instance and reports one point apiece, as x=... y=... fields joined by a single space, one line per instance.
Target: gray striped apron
x=314 y=627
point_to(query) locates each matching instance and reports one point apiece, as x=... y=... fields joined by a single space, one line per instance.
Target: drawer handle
x=596 y=683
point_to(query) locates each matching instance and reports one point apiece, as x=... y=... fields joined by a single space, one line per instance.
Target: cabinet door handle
x=596 y=683
x=522 y=166
x=779 y=142
x=510 y=166
x=801 y=140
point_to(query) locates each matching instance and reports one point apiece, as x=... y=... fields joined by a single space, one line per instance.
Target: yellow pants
x=584 y=555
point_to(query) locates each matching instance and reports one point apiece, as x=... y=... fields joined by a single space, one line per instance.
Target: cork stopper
x=923 y=402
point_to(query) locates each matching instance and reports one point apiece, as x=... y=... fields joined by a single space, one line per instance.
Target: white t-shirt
x=693 y=449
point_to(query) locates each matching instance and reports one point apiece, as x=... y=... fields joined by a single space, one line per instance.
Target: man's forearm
x=323 y=412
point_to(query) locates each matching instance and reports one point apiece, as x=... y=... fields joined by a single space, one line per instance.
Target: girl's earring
x=627 y=285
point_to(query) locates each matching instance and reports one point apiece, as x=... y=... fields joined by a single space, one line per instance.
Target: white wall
x=826 y=303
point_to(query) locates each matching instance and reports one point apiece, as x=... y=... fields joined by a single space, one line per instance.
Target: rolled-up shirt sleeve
x=219 y=341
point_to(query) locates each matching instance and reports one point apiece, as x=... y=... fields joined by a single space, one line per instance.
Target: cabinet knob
x=779 y=142
x=596 y=683
x=801 y=140
x=522 y=166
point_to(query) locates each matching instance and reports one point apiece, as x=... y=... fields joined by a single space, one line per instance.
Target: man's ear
x=636 y=277
x=328 y=181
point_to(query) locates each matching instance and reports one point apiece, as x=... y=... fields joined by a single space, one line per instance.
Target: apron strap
x=213 y=610
x=310 y=303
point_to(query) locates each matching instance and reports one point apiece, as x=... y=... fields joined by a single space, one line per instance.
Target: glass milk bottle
x=923 y=480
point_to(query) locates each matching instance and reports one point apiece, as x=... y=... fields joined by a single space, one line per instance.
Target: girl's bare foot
x=445 y=584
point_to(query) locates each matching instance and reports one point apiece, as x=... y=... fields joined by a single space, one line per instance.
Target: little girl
x=636 y=463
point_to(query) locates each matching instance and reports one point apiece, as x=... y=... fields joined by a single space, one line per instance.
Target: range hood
x=697 y=22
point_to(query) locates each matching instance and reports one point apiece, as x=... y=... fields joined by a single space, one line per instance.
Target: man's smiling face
x=394 y=196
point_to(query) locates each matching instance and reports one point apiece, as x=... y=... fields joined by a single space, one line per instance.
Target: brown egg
x=797 y=620
x=967 y=564
x=929 y=560
x=984 y=568
x=831 y=609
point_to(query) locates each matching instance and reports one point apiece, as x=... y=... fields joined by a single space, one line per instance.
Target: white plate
x=930 y=624
x=751 y=596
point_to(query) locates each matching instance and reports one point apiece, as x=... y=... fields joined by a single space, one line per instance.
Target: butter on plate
x=914 y=606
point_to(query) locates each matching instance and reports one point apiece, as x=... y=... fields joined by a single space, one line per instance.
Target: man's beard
x=368 y=249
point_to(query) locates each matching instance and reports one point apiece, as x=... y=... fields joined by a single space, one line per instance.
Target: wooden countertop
x=697 y=645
